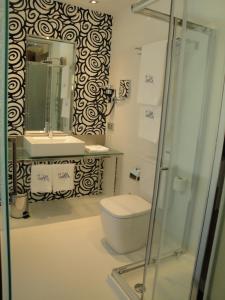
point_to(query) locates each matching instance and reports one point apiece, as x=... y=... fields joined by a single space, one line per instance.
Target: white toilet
x=125 y=222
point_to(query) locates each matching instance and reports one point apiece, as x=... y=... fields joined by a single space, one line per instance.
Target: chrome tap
x=50 y=134
x=46 y=129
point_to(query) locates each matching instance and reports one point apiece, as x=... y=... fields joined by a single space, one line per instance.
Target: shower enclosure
x=4 y=239
x=190 y=146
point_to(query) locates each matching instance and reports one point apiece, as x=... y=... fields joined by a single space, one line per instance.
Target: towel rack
x=14 y=167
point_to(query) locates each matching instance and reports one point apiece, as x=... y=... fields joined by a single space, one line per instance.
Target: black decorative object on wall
x=90 y=31
x=88 y=179
x=124 y=90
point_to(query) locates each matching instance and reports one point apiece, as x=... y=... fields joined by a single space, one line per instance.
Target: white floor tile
x=66 y=260
x=47 y=212
x=173 y=281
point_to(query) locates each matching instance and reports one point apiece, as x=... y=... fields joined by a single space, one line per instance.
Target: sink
x=53 y=146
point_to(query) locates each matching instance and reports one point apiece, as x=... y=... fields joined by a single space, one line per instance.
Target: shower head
x=141 y=4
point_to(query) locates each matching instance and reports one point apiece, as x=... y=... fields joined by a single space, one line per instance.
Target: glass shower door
x=4 y=217
x=187 y=159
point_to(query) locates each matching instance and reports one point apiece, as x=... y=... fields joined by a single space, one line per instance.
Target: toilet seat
x=125 y=206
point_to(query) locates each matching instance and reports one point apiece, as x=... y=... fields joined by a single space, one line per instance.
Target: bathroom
x=112 y=130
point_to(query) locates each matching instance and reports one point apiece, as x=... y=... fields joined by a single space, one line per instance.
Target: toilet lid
x=125 y=206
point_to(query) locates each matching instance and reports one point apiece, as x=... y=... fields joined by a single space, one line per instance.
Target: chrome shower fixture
x=141 y=4
x=110 y=93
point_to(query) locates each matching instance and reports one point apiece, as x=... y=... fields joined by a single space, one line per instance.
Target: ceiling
x=207 y=12
x=108 y=6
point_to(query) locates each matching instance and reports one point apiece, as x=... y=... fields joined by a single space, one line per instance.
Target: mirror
x=49 y=85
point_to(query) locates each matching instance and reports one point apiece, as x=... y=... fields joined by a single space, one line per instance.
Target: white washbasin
x=53 y=146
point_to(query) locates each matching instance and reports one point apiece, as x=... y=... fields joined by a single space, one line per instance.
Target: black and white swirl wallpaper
x=88 y=179
x=90 y=31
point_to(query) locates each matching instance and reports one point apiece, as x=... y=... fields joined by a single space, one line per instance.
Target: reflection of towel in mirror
x=63 y=177
x=65 y=92
x=41 y=179
x=65 y=82
x=65 y=112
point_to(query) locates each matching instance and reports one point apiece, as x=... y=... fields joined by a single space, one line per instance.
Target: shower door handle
x=164 y=169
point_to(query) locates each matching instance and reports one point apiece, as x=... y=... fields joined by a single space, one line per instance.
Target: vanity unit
x=95 y=173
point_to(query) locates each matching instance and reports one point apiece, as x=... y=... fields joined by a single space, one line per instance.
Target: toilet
x=125 y=222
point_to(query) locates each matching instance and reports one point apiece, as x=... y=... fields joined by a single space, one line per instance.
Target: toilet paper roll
x=179 y=184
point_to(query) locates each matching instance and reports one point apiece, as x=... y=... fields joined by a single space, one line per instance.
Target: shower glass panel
x=4 y=217
x=188 y=155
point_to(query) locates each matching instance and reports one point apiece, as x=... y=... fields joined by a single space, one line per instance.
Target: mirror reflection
x=49 y=85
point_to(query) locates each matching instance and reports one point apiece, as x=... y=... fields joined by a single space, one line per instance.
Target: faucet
x=46 y=129
x=50 y=134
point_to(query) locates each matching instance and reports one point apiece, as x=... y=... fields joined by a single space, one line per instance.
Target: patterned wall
x=87 y=181
x=90 y=31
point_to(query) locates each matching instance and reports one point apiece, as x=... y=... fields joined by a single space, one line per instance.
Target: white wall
x=131 y=31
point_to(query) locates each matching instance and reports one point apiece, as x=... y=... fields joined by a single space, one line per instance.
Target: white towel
x=65 y=111
x=96 y=148
x=65 y=82
x=41 y=179
x=149 y=123
x=152 y=70
x=63 y=177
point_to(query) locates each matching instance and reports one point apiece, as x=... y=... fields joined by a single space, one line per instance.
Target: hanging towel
x=149 y=123
x=65 y=92
x=41 y=179
x=152 y=70
x=65 y=82
x=63 y=177
x=65 y=111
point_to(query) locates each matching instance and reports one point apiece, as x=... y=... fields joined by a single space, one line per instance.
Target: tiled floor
x=66 y=260
x=60 y=253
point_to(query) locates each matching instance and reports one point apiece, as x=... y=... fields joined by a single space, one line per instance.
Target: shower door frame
x=210 y=202
x=5 y=237
x=174 y=22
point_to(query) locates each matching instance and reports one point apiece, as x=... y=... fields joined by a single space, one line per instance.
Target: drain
x=139 y=288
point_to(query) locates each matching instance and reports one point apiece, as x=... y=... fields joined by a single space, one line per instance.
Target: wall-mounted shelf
x=22 y=155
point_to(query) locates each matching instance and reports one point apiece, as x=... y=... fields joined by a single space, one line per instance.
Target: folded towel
x=41 y=179
x=63 y=177
x=96 y=148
